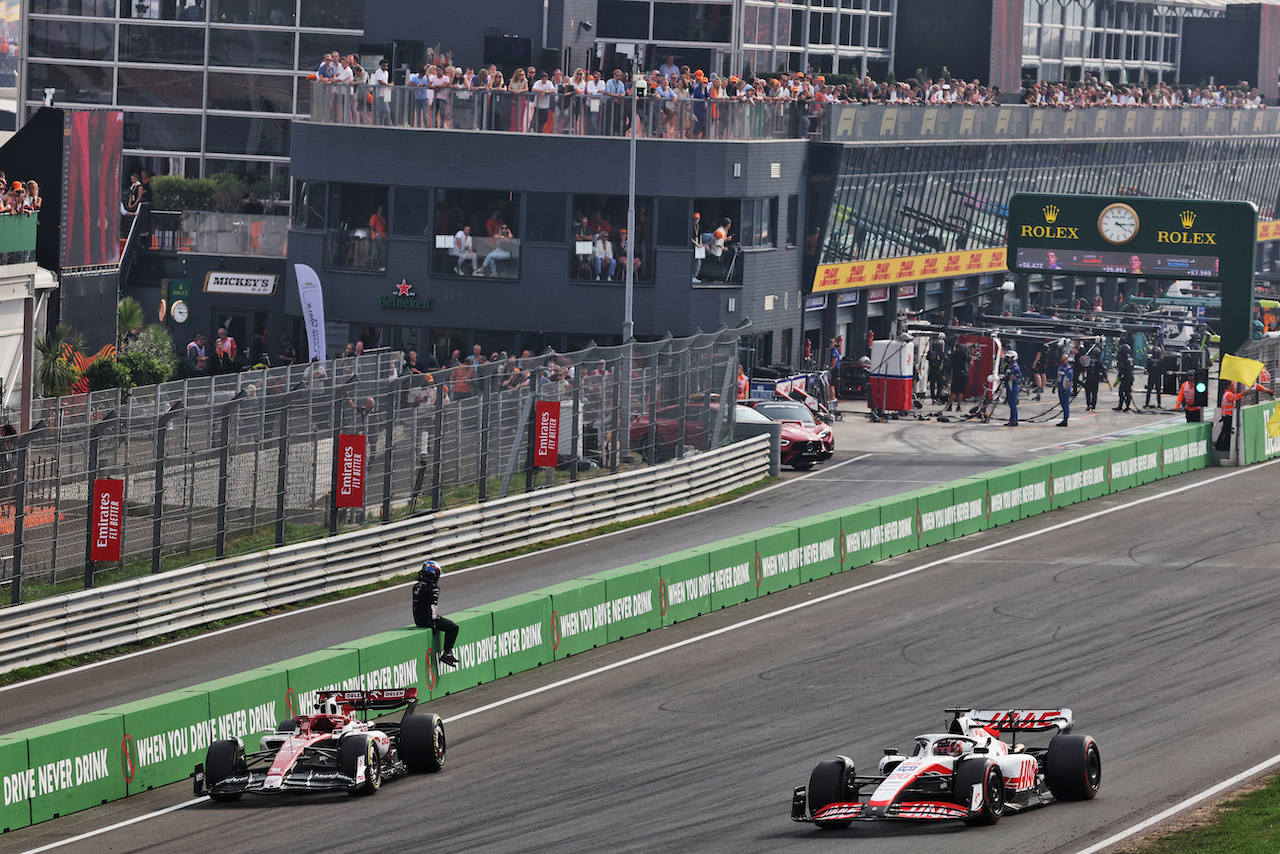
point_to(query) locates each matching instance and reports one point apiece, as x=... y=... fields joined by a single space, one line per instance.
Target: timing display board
x=1132 y=237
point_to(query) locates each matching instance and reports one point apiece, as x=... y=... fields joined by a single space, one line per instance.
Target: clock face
x=179 y=311
x=1118 y=223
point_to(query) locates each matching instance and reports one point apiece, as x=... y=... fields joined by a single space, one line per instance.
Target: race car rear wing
x=1017 y=720
x=371 y=700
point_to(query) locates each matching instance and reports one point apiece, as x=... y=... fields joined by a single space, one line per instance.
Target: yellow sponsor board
x=891 y=271
x=1268 y=230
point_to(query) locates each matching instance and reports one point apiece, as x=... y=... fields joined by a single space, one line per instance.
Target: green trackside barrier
x=245 y=705
x=1037 y=488
x=1255 y=444
x=400 y=658
x=76 y=764
x=1095 y=463
x=326 y=670
x=732 y=564
x=1173 y=451
x=1146 y=455
x=818 y=552
x=522 y=628
x=641 y=583
x=897 y=530
x=1122 y=464
x=476 y=650
x=861 y=545
x=19 y=783
x=1065 y=470
x=1004 y=496
x=574 y=609
x=1199 y=446
x=774 y=547
x=935 y=514
x=163 y=738
x=686 y=583
x=969 y=498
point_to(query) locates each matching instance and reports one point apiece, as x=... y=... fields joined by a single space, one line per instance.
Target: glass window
x=411 y=212
x=793 y=220
x=74 y=83
x=160 y=87
x=544 y=217
x=243 y=135
x=333 y=14
x=161 y=130
x=72 y=39
x=477 y=232
x=251 y=171
x=308 y=204
x=759 y=222
x=260 y=93
x=143 y=43
x=251 y=48
x=878 y=32
x=84 y=8
x=797 y=28
x=717 y=228
x=313 y=46
x=674 y=223
x=275 y=13
x=623 y=19
x=699 y=22
x=598 y=242
x=162 y=10
x=821 y=26
x=353 y=238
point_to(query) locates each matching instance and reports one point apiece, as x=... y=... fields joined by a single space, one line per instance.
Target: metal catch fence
x=246 y=461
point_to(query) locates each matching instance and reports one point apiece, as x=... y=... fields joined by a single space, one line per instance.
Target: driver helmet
x=430 y=571
x=865 y=361
x=1011 y=354
x=330 y=707
x=948 y=747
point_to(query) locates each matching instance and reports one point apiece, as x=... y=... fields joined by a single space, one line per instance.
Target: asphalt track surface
x=829 y=487
x=1152 y=613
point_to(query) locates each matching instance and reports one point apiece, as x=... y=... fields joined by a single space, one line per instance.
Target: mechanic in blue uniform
x=1012 y=385
x=426 y=609
x=1066 y=381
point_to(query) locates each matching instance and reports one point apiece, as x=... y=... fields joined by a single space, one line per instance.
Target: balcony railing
x=573 y=115
x=256 y=235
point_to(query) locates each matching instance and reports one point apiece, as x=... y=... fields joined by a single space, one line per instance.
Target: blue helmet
x=430 y=571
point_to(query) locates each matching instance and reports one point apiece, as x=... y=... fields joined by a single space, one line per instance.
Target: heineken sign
x=1130 y=237
x=404 y=297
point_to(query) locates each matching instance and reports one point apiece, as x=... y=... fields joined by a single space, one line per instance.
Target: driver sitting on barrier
x=426 y=609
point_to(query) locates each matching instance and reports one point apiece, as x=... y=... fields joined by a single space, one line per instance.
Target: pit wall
x=59 y=768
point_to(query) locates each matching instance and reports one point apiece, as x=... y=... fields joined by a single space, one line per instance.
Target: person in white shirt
x=595 y=89
x=543 y=89
x=342 y=86
x=464 y=250
x=669 y=68
x=439 y=80
x=603 y=251
x=382 y=98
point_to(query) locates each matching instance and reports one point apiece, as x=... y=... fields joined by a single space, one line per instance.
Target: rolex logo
x=1188 y=218
x=1051 y=214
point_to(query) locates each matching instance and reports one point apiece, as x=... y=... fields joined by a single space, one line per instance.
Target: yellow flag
x=1241 y=370
x=1273 y=423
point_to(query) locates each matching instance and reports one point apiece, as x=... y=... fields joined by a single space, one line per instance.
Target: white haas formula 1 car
x=328 y=751
x=967 y=773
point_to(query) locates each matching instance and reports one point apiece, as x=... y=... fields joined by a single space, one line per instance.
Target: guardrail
x=105 y=617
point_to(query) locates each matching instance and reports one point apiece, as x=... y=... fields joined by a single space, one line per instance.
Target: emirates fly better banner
x=546 y=447
x=349 y=489
x=108 y=513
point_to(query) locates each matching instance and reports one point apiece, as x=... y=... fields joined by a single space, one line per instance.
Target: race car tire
x=351 y=750
x=984 y=773
x=1073 y=767
x=422 y=743
x=827 y=785
x=656 y=452
x=223 y=759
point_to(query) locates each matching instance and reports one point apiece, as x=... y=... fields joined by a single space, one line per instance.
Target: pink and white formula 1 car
x=328 y=751
x=966 y=773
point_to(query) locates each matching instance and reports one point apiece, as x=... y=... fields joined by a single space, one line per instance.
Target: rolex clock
x=179 y=310
x=1118 y=223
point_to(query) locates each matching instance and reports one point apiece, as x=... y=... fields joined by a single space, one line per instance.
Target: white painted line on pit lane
x=1114 y=434
x=116 y=826
x=1182 y=806
x=84 y=667
x=761 y=618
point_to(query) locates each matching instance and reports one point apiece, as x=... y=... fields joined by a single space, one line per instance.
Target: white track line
x=799 y=606
x=84 y=667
